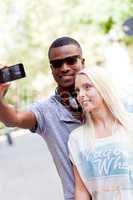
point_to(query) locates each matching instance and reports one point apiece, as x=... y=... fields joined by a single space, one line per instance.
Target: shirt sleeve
x=38 y=109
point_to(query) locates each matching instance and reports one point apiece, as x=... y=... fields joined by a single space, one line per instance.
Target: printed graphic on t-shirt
x=107 y=170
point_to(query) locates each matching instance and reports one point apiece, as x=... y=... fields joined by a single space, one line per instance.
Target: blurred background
x=103 y=28
x=27 y=30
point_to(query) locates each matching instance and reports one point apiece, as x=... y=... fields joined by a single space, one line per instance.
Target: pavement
x=27 y=171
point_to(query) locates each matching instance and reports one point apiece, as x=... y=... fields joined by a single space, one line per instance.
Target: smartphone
x=12 y=73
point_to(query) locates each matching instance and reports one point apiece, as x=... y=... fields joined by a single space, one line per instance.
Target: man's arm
x=12 y=117
x=81 y=192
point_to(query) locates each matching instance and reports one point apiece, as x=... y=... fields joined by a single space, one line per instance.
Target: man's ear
x=83 y=61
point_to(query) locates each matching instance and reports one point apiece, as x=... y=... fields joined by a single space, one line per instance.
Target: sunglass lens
x=68 y=60
x=56 y=63
x=71 y=60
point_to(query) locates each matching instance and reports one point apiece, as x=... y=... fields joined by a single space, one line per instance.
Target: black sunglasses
x=71 y=60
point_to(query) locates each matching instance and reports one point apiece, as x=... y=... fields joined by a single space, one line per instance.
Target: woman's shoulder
x=77 y=133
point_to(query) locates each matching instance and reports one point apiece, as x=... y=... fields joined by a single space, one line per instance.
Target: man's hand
x=3 y=86
x=3 y=89
x=12 y=117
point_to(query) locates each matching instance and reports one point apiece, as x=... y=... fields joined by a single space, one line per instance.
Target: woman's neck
x=104 y=122
x=101 y=115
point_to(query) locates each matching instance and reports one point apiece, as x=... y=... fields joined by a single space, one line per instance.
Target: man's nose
x=65 y=67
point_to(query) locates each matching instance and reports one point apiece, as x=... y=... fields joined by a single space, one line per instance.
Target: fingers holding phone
x=10 y=73
x=3 y=89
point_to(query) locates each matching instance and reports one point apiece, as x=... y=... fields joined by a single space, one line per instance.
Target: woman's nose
x=81 y=94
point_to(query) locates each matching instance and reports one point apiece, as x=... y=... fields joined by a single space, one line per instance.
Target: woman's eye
x=88 y=87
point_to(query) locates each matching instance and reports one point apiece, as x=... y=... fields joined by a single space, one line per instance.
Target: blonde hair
x=104 y=84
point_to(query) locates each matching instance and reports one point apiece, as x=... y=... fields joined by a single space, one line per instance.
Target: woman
x=101 y=149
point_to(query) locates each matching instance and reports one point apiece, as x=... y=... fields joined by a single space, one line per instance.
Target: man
x=56 y=117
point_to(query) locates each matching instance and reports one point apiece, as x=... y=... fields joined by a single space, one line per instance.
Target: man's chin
x=67 y=86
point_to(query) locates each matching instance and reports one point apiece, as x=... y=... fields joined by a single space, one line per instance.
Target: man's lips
x=66 y=77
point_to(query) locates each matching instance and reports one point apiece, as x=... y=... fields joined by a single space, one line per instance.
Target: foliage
x=27 y=29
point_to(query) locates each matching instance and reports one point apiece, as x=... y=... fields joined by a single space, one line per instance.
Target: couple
x=99 y=139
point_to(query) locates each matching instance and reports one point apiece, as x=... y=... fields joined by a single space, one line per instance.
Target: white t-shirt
x=107 y=171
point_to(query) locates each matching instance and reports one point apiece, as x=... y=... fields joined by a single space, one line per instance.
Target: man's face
x=65 y=62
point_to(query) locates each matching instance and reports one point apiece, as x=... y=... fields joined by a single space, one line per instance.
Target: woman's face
x=87 y=95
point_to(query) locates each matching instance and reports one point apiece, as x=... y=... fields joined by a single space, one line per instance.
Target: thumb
x=3 y=89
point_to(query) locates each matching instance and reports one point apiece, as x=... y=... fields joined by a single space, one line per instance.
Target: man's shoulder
x=45 y=101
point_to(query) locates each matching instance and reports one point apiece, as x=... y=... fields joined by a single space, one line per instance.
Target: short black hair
x=62 y=41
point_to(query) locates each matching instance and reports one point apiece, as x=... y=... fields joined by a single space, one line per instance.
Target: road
x=27 y=171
